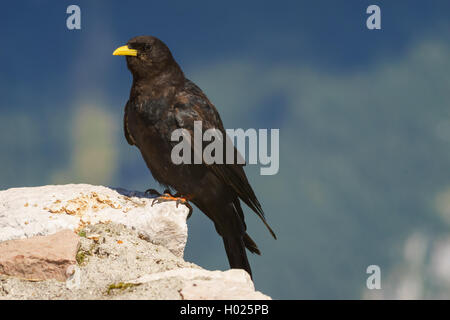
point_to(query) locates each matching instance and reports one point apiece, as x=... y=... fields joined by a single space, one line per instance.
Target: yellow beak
x=125 y=51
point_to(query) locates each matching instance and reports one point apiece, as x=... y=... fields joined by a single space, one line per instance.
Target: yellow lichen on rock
x=81 y=204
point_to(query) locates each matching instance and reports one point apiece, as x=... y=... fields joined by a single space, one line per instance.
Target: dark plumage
x=162 y=100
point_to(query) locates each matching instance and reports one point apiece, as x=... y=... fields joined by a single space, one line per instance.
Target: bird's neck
x=157 y=85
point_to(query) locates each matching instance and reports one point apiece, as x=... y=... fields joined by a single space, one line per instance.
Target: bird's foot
x=169 y=197
x=156 y=193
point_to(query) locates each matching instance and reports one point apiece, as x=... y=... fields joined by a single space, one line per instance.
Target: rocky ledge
x=93 y=242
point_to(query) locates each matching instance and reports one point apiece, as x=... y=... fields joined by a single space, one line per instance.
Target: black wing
x=191 y=104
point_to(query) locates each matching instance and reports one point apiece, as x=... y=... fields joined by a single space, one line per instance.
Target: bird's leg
x=178 y=198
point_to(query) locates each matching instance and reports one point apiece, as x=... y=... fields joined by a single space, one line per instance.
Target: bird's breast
x=151 y=125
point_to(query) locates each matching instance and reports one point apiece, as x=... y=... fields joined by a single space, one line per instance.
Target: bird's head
x=146 y=56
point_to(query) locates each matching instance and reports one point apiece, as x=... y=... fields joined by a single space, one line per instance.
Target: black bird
x=162 y=100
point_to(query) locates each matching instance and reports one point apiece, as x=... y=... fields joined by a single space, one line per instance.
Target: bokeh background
x=364 y=124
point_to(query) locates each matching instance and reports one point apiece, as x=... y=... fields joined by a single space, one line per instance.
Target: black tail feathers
x=251 y=245
x=237 y=257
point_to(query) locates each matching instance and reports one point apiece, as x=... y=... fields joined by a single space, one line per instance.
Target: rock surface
x=199 y=284
x=27 y=212
x=127 y=248
x=40 y=257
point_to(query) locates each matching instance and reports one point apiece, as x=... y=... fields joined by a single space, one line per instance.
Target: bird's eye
x=147 y=47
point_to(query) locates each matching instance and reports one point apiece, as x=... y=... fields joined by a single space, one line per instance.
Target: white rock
x=200 y=284
x=235 y=275
x=74 y=280
x=27 y=212
x=116 y=257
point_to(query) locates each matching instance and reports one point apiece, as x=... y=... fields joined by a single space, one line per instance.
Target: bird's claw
x=177 y=198
x=152 y=192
